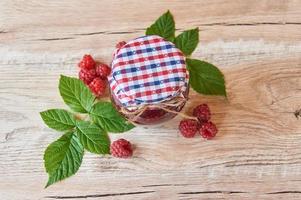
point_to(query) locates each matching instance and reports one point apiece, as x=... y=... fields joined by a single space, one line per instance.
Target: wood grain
x=256 y=155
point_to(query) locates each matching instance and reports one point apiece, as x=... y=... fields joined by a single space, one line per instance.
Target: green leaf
x=93 y=138
x=58 y=119
x=164 y=27
x=188 y=41
x=75 y=94
x=63 y=158
x=106 y=116
x=205 y=78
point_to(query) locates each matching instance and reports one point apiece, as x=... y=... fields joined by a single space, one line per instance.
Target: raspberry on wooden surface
x=87 y=62
x=102 y=70
x=202 y=112
x=120 y=44
x=208 y=130
x=188 y=127
x=121 y=149
x=87 y=76
x=98 y=86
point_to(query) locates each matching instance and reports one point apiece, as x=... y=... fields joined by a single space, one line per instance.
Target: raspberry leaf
x=63 y=158
x=188 y=41
x=164 y=27
x=75 y=94
x=93 y=138
x=106 y=116
x=58 y=119
x=205 y=78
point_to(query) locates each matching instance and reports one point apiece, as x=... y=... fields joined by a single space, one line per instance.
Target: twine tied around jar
x=173 y=103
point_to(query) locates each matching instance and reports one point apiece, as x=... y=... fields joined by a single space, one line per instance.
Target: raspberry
x=87 y=76
x=103 y=70
x=208 y=130
x=98 y=87
x=121 y=149
x=202 y=112
x=188 y=127
x=87 y=62
x=120 y=44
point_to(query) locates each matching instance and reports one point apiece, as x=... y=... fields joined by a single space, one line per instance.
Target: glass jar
x=152 y=115
x=149 y=80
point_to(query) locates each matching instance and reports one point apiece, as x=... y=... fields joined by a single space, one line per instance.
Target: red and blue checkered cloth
x=148 y=70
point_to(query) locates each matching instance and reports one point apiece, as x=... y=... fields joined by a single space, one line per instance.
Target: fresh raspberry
x=87 y=76
x=208 y=130
x=188 y=127
x=103 y=70
x=121 y=149
x=98 y=87
x=87 y=62
x=120 y=44
x=202 y=112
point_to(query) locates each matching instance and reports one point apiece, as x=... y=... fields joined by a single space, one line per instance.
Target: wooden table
x=257 y=153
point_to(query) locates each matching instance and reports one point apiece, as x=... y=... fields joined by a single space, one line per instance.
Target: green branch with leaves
x=63 y=157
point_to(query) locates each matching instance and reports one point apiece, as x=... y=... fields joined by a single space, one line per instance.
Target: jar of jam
x=149 y=80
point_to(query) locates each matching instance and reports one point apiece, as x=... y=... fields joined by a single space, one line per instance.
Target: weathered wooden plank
x=258 y=140
x=256 y=155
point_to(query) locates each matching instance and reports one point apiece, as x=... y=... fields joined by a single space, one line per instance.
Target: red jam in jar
x=149 y=80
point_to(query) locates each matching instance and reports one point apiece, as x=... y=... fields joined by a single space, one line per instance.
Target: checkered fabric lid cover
x=148 y=70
